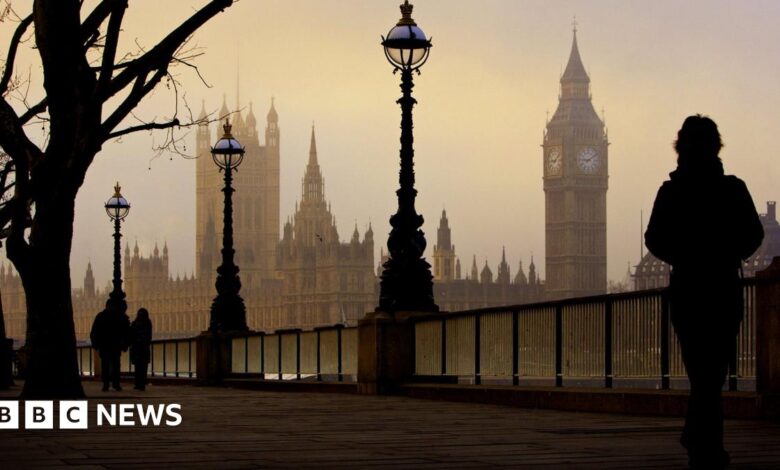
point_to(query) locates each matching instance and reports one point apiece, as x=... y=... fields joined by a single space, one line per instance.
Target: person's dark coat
x=141 y=333
x=704 y=224
x=110 y=332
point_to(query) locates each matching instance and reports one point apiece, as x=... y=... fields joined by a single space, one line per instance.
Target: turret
x=503 y=269
x=89 y=282
x=474 y=270
x=486 y=276
x=520 y=278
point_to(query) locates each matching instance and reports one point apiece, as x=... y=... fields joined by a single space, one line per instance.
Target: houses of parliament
x=306 y=276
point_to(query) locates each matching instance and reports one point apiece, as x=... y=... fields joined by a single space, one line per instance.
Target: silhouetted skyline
x=478 y=127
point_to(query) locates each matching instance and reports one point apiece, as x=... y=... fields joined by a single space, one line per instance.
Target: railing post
x=319 y=366
x=608 y=343
x=151 y=359
x=165 y=367
x=189 y=358
x=443 y=346
x=298 y=355
x=665 y=340
x=515 y=348
x=279 y=354
x=338 y=341
x=558 y=345
x=477 y=377
x=246 y=354
x=262 y=355
x=176 y=358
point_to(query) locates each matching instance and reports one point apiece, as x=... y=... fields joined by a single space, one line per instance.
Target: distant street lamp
x=228 y=312
x=117 y=209
x=407 y=283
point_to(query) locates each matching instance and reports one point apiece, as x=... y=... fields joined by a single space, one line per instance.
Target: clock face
x=588 y=160
x=554 y=162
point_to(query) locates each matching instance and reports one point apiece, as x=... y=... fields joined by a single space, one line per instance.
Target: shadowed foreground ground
x=227 y=428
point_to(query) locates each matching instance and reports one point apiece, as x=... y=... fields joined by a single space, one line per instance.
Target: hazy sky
x=492 y=75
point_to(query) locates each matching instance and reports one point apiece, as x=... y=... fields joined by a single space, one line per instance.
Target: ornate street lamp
x=117 y=209
x=407 y=283
x=228 y=312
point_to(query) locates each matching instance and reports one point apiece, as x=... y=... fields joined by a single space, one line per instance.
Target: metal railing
x=168 y=358
x=624 y=340
x=328 y=353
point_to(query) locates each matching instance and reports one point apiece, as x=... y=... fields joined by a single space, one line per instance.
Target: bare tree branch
x=112 y=39
x=145 y=127
x=12 y=48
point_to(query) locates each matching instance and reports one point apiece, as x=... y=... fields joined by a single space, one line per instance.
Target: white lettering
x=126 y=414
x=102 y=413
x=145 y=413
x=173 y=413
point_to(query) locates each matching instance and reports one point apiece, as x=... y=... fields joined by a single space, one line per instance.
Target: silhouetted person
x=110 y=336
x=704 y=224
x=141 y=333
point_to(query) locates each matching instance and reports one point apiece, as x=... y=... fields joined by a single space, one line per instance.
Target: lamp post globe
x=117 y=208
x=406 y=46
x=406 y=283
x=228 y=312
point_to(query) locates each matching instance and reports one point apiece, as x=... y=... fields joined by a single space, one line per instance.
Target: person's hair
x=698 y=143
x=142 y=313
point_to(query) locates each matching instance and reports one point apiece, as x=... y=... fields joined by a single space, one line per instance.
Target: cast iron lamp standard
x=407 y=283
x=228 y=312
x=117 y=209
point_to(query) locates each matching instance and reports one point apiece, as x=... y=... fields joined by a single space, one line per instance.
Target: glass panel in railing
x=636 y=338
x=460 y=346
x=536 y=338
x=746 y=341
x=158 y=353
x=329 y=359
x=495 y=345
x=124 y=362
x=253 y=354
x=183 y=364
x=427 y=347
x=271 y=355
x=238 y=355
x=309 y=353
x=170 y=358
x=289 y=355
x=349 y=351
x=583 y=340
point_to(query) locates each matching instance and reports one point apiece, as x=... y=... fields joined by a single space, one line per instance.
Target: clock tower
x=575 y=188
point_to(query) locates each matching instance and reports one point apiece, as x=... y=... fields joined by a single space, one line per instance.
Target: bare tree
x=90 y=91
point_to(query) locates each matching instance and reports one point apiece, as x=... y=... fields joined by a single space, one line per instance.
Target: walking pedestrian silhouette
x=110 y=336
x=704 y=224
x=141 y=334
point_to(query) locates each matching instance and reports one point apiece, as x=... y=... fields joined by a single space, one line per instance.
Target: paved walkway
x=227 y=428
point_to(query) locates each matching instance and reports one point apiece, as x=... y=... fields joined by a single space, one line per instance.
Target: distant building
x=575 y=187
x=324 y=280
x=478 y=289
x=651 y=272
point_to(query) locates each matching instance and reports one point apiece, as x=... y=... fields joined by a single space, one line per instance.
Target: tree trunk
x=44 y=268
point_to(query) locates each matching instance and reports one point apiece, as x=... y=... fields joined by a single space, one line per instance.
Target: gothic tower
x=575 y=186
x=444 y=252
x=255 y=202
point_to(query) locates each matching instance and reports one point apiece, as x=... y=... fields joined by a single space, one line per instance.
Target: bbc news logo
x=74 y=414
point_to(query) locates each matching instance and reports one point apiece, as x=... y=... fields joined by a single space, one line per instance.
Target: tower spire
x=313 y=148
x=575 y=70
